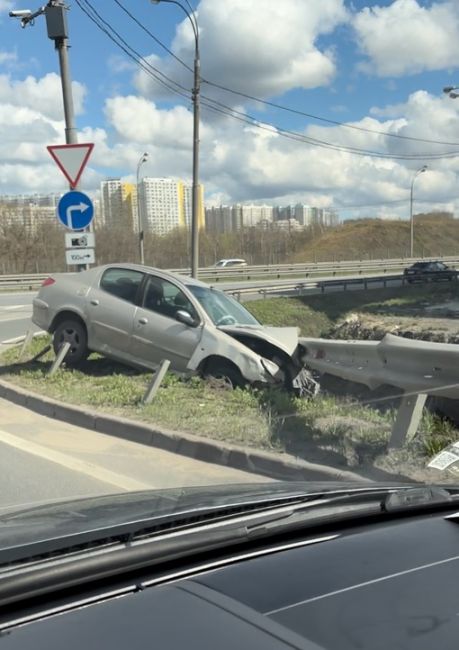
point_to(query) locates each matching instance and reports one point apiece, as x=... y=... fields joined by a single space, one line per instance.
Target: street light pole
x=143 y=159
x=419 y=171
x=195 y=94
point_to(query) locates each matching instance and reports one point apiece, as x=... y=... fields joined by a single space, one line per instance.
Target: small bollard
x=26 y=342
x=65 y=347
x=156 y=381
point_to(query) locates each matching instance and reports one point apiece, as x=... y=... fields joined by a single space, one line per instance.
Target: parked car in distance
x=223 y=264
x=429 y=272
x=141 y=316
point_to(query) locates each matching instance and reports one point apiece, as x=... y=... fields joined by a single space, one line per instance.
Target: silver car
x=141 y=315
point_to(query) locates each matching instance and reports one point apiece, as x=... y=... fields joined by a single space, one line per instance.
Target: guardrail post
x=156 y=381
x=65 y=347
x=408 y=419
x=27 y=340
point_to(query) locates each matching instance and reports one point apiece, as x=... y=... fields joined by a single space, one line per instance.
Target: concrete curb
x=207 y=450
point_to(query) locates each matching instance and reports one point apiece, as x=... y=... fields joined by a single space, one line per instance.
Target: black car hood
x=55 y=525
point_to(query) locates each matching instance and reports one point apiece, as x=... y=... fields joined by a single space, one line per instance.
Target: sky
x=338 y=103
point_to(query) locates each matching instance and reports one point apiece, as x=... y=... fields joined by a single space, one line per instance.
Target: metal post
x=196 y=111
x=419 y=171
x=408 y=419
x=65 y=347
x=143 y=159
x=411 y=221
x=195 y=189
x=156 y=381
x=71 y=135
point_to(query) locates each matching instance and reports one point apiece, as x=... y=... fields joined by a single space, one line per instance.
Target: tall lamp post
x=419 y=171
x=195 y=93
x=143 y=159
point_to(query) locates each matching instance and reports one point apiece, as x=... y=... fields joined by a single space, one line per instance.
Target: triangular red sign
x=71 y=159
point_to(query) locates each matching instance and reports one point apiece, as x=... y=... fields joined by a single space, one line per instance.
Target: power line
x=293 y=135
x=275 y=104
x=324 y=119
x=212 y=104
x=150 y=33
x=108 y=29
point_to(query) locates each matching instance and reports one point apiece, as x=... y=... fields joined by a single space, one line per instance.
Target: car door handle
x=94 y=302
x=143 y=321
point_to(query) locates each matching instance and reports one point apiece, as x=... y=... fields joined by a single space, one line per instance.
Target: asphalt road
x=42 y=459
x=15 y=314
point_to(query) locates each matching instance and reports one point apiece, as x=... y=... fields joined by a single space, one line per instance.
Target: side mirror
x=185 y=317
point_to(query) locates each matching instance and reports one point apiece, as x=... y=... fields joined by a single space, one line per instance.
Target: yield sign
x=71 y=159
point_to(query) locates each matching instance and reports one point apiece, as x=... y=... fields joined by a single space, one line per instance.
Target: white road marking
x=364 y=584
x=75 y=464
x=14 y=307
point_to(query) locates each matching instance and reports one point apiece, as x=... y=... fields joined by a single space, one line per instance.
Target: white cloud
x=5 y=5
x=275 y=45
x=43 y=95
x=405 y=37
x=7 y=57
x=138 y=120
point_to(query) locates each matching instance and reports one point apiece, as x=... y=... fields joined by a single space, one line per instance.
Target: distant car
x=429 y=272
x=141 y=315
x=223 y=264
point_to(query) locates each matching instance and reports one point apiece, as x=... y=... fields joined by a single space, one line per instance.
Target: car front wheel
x=73 y=332
x=224 y=373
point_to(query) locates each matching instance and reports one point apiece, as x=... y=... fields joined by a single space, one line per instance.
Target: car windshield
x=229 y=250
x=222 y=308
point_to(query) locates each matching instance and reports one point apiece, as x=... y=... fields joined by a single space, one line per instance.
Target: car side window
x=165 y=298
x=122 y=283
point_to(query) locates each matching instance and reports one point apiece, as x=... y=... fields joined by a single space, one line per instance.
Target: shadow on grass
x=94 y=366
x=296 y=431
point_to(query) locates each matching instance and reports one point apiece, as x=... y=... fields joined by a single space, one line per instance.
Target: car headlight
x=270 y=367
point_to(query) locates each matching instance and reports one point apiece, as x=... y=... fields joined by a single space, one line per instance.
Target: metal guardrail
x=419 y=368
x=296 y=288
x=309 y=268
x=279 y=271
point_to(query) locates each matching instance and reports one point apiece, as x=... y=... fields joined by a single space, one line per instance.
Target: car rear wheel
x=73 y=332
x=224 y=373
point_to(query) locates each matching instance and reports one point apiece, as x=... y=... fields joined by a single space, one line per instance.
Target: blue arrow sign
x=75 y=210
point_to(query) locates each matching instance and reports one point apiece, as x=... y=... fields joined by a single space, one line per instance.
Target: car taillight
x=48 y=281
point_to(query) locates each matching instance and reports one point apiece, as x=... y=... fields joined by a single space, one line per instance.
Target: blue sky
x=378 y=65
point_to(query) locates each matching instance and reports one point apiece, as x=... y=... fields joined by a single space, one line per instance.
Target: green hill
x=434 y=235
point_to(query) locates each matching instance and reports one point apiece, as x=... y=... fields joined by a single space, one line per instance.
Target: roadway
x=44 y=460
x=15 y=313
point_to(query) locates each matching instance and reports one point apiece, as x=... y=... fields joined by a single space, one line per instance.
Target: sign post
x=75 y=209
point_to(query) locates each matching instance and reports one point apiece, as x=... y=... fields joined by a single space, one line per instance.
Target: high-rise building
x=119 y=203
x=166 y=204
x=29 y=210
x=247 y=216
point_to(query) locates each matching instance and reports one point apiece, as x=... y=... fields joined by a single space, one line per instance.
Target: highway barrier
x=266 y=273
x=418 y=368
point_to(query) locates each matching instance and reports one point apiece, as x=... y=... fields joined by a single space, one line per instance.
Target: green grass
x=332 y=429
x=265 y=419
x=316 y=315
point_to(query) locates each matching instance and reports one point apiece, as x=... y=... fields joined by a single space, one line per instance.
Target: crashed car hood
x=285 y=338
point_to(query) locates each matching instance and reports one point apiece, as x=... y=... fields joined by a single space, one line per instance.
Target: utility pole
x=55 y=13
x=195 y=95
